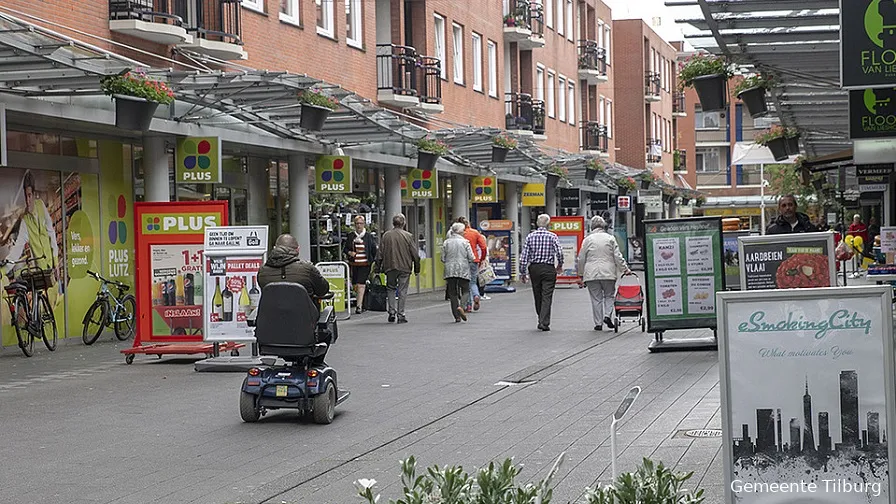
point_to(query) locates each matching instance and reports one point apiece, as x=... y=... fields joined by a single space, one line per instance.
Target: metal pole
x=613 y=447
x=762 y=198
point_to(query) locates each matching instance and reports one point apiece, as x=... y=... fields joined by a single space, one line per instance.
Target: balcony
x=152 y=20
x=654 y=153
x=429 y=71
x=524 y=116
x=216 y=26
x=679 y=106
x=680 y=160
x=396 y=76
x=652 y=87
x=524 y=24
x=592 y=62
x=594 y=138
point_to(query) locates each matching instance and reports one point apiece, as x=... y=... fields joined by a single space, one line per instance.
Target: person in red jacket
x=857 y=228
x=480 y=252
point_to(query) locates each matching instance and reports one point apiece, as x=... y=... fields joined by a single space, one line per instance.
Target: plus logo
x=197 y=154
x=153 y=224
x=118 y=229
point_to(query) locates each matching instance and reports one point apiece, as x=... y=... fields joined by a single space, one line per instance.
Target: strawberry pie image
x=667 y=254
x=802 y=271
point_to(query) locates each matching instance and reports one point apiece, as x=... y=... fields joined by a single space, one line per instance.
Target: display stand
x=683 y=271
x=797 y=260
x=169 y=280
x=499 y=240
x=571 y=232
x=337 y=275
x=233 y=256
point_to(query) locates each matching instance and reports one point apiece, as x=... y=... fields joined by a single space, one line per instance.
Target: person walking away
x=397 y=256
x=600 y=263
x=284 y=265
x=542 y=258
x=789 y=220
x=480 y=252
x=457 y=254
x=360 y=249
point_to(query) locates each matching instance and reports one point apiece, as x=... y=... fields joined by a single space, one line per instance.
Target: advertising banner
x=807 y=395
x=423 y=184
x=484 y=190
x=732 y=258
x=169 y=258
x=498 y=236
x=600 y=201
x=337 y=275
x=623 y=203
x=571 y=231
x=570 y=198
x=789 y=261
x=867 y=44
x=533 y=195
x=872 y=113
x=333 y=174
x=683 y=272
x=198 y=160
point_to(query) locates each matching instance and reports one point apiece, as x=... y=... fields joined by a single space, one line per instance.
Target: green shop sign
x=872 y=113
x=333 y=174
x=868 y=43
x=198 y=160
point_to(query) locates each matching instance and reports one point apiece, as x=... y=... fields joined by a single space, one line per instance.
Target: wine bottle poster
x=232 y=295
x=176 y=276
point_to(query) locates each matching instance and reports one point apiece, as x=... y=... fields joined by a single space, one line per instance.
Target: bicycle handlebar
x=97 y=277
x=5 y=262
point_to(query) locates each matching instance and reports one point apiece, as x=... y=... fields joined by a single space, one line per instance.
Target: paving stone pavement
x=80 y=426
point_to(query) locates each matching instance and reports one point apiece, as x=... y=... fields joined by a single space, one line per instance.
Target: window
x=353 y=22
x=256 y=5
x=492 y=69
x=539 y=83
x=289 y=11
x=601 y=104
x=569 y=20
x=707 y=120
x=607 y=38
x=571 y=102
x=458 y=32
x=600 y=34
x=324 y=17
x=708 y=159
x=560 y=8
x=609 y=119
x=549 y=13
x=477 y=62
x=764 y=122
x=440 y=43
x=561 y=98
x=549 y=103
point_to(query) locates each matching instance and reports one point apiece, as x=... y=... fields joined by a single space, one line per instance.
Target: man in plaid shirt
x=542 y=258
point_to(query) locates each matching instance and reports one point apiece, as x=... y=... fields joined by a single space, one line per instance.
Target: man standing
x=397 y=256
x=540 y=251
x=789 y=220
x=480 y=252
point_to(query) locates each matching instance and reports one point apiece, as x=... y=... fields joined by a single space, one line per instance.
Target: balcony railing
x=430 y=82
x=536 y=19
x=396 y=70
x=652 y=84
x=594 y=137
x=153 y=11
x=217 y=20
x=524 y=113
x=678 y=103
x=680 y=160
x=654 y=151
x=592 y=57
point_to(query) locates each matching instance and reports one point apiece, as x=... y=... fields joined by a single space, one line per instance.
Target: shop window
x=40 y=143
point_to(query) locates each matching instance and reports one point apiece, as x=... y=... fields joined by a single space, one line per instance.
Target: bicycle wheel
x=20 y=322
x=47 y=322
x=94 y=322
x=126 y=318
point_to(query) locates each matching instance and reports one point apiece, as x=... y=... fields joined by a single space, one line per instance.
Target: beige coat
x=600 y=257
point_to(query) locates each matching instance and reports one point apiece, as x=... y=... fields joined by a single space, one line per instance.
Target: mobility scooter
x=285 y=328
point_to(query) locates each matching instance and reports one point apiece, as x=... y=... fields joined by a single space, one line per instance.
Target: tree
x=786 y=179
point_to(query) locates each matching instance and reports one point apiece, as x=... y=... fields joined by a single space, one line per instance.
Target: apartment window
x=707 y=120
x=256 y=5
x=607 y=38
x=601 y=104
x=439 y=23
x=560 y=8
x=492 y=69
x=289 y=11
x=324 y=17
x=549 y=13
x=561 y=98
x=549 y=102
x=353 y=20
x=571 y=102
x=458 y=37
x=764 y=122
x=569 y=20
x=609 y=124
x=600 y=34
x=539 y=83
x=477 y=62
x=708 y=159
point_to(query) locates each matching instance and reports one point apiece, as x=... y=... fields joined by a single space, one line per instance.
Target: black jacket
x=284 y=265
x=369 y=246
x=781 y=226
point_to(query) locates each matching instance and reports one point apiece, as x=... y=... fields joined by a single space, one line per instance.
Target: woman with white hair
x=600 y=264
x=457 y=254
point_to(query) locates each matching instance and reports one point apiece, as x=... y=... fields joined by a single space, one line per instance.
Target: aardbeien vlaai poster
x=807 y=380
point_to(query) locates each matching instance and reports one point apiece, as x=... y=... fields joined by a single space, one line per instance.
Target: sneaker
x=598 y=328
x=609 y=323
x=485 y=297
x=358 y=311
x=469 y=308
x=462 y=313
x=476 y=303
x=391 y=317
x=544 y=328
x=402 y=320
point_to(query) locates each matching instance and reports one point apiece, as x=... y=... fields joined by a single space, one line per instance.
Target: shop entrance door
x=236 y=199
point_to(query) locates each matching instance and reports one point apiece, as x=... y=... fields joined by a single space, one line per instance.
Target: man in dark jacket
x=284 y=265
x=397 y=256
x=789 y=220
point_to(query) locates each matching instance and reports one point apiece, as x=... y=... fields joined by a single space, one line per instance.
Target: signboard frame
x=733 y=282
x=794 y=239
x=499 y=229
x=327 y=271
x=879 y=300
x=713 y=230
x=854 y=35
x=532 y=194
x=214 y=152
x=570 y=273
x=623 y=203
x=327 y=169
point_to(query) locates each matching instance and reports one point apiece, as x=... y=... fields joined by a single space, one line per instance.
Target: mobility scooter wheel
x=248 y=411
x=324 y=407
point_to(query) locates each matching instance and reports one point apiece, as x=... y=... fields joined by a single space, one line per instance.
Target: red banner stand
x=571 y=231
x=168 y=255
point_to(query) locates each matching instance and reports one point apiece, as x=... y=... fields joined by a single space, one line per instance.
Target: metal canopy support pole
x=512 y=200
x=550 y=199
x=299 y=204
x=258 y=191
x=762 y=198
x=460 y=197
x=393 y=195
x=155 y=159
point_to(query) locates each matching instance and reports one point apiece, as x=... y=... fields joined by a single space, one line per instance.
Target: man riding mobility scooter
x=287 y=326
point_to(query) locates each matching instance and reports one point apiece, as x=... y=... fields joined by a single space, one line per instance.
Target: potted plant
x=554 y=173
x=708 y=75
x=685 y=200
x=136 y=98
x=774 y=139
x=625 y=184
x=316 y=107
x=501 y=145
x=701 y=200
x=792 y=141
x=648 y=178
x=428 y=152
x=592 y=168
x=751 y=91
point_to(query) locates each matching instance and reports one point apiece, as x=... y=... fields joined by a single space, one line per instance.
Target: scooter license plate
x=281 y=391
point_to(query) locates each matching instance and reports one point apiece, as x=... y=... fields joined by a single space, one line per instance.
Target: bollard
x=620 y=412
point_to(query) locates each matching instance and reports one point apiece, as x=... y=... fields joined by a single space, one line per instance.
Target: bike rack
x=326 y=269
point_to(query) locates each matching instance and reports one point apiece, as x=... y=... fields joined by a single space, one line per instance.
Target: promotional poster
x=497 y=238
x=787 y=261
x=806 y=386
x=233 y=294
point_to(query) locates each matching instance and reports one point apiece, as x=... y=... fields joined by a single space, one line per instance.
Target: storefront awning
x=747 y=153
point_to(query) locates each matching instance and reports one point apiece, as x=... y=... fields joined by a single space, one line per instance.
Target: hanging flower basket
x=708 y=75
x=685 y=200
x=499 y=154
x=775 y=138
x=552 y=180
x=792 y=144
x=428 y=152
x=590 y=174
x=501 y=145
x=751 y=91
x=136 y=98
x=132 y=113
x=645 y=184
x=316 y=107
x=622 y=191
x=712 y=91
x=625 y=184
x=778 y=146
x=592 y=168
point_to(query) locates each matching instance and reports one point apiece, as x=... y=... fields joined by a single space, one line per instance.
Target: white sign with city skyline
x=807 y=389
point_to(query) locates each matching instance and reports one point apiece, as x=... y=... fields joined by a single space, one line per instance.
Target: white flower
x=366 y=483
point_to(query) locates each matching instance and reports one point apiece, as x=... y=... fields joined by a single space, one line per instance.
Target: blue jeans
x=474 y=281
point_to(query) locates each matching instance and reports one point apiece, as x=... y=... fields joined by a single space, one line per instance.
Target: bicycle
x=108 y=309
x=32 y=315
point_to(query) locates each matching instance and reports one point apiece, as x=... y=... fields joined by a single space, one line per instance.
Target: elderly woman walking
x=600 y=264
x=457 y=256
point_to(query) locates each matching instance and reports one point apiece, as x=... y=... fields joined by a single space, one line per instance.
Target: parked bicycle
x=119 y=311
x=32 y=314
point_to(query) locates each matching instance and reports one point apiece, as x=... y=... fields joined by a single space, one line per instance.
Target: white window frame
x=457 y=46
x=328 y=18
x=570 y=18
x=549 y=13
x=601 y=103
x=608 y=36
x=492 y=68
x=477 y=61
x=561 y=7
x=561 y=98
x=255 y=5
x=700 y=153
x=600 y=33
x=441 y=43
x=700 y=120
x=549 y=101
x=570 y=102
x=539 y=82
x=609 y=124
x=357 y=24
x=294 y=17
